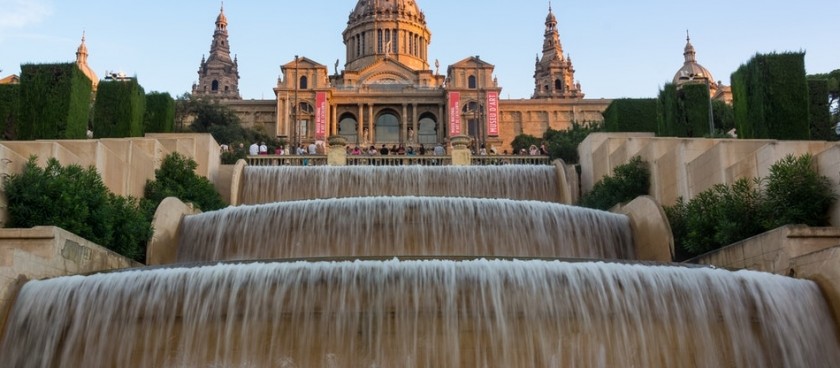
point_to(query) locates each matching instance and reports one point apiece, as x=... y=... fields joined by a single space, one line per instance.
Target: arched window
x=214 y=86
x=472 y=82
x=227 y=88
x=304 y=82
x=558 y=85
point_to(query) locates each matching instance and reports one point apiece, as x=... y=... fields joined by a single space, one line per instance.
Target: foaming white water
x=422 y=314
x=405 y=226
x=523 y=182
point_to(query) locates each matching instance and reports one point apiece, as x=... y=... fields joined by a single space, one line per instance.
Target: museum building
x=388 y=93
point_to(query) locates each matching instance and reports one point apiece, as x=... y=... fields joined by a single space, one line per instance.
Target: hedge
x=119 y=111
x=631 y=115
x=771 y=97
x=820 y=114
x=55 y=102
x=160 y=113
x=9 y=110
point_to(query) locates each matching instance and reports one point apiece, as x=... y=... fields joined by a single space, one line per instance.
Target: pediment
x=472 y=62
x=303 y=63
x=387 y=71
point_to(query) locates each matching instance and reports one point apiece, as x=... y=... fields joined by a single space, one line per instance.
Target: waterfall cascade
x=474 y=312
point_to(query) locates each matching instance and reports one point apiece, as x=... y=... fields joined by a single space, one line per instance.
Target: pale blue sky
x=619 y=48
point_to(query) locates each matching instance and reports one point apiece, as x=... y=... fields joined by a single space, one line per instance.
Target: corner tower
x=554 y=76
x=218 y=75
x=394 y=29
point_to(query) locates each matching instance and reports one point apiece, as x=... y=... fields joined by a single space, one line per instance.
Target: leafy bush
x=9 y=110
x=76 y=199
x=631 y=115
x=628 y=182
x=797 y=194
x=176 y=177
x=794 y=193
x=220 y=121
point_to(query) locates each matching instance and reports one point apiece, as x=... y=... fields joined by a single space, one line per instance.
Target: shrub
x=794 y=193
x=628 y=182
x=631 y=115
x=797 y=194
x=9 y=110
x=176 y=177
x=76 y=199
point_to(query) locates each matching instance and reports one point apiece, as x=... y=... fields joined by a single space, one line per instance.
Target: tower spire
x=218 y=75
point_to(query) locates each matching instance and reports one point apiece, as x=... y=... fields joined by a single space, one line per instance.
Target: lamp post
x=711 y=113
x=295 y=108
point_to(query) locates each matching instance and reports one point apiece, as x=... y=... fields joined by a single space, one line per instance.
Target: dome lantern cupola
x=691 y=71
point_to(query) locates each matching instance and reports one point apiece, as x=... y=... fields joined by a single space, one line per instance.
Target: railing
x=510 y=160
x=291 y=160
x=399 y=160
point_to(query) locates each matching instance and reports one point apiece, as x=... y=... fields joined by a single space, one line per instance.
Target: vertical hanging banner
x=454 y=113
x=320 y=115
x=493 y=114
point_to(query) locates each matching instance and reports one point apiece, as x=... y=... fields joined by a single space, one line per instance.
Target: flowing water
x=422 y=314
x=518 y=182
x=405 y=226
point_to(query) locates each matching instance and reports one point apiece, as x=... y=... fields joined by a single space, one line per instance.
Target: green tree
x=524 y=141
x=160 y=113
x=563 y=144
x=119 y=109
x=176 y=177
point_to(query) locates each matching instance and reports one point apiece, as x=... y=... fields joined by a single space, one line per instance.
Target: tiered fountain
x=416 y=267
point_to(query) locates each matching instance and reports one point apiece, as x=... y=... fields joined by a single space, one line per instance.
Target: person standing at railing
x=534 y=151
x=422 y=150
x=439 y=151
x=254 y=149
x=263 y=148
x=313 y=149
x=383 y=151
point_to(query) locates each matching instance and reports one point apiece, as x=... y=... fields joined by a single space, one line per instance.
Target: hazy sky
x=619 y=48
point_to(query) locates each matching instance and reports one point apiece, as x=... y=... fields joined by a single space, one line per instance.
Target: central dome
x=366 y=8
x=387 y=29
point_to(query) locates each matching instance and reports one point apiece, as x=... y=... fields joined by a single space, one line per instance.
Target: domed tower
x=691 y=71
x=81 y=61
x=394 y=29
x=554 y=76
x=218 y=75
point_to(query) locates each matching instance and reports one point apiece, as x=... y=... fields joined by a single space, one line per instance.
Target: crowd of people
x=318 y=148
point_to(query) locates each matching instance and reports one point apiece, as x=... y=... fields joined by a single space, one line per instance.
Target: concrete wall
x=685 y=167
x=43 y=252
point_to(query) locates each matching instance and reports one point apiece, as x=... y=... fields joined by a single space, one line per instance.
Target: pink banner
x=454 y=113
x=320 y=115
x=493 y=114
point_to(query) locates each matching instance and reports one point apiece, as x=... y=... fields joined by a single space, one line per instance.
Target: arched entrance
x=427 y=129
x=387 y=127
x=348 y=128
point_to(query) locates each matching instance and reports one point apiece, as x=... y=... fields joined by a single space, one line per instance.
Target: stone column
x=404 y=130
x=461 y=155
x=441 y=124
x=371 y=131
x=360 y=123
x=337 y=156
x=334 y=121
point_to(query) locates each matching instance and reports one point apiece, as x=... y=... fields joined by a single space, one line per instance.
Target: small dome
x=691 y=70
x=550 y=18
x=222 y=19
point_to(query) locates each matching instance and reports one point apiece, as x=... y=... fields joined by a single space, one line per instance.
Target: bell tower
x=218 y=75
x=554 y=74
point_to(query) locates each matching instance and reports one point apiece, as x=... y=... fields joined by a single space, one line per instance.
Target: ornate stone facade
x=218 y=75
x=387 y=92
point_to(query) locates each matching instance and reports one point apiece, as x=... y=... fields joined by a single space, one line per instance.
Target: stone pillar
x=441 y=124
x=404 y=130
x=360 y=123
x=163 y=246
x=334 y=121
x=652 y=236
x=461 y=155
x=337 y=156
x=236 y=182
x=371 y=131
